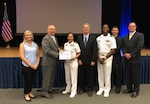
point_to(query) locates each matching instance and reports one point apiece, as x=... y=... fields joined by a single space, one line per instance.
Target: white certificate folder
x=64 y=55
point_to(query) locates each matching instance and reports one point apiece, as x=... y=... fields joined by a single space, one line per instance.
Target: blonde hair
x=27 y=31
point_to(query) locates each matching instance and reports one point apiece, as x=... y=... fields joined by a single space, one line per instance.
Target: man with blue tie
x=86 y=60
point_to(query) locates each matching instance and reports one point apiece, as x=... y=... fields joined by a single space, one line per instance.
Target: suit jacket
x=88 y=53
x=117 y=54
x=133 y=46
x=50 y=51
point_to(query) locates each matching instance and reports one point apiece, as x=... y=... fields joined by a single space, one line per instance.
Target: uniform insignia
x=72 y=45
x=107 y=40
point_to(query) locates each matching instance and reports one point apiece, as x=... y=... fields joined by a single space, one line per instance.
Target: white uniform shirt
x=105 y=43
x=73 y=47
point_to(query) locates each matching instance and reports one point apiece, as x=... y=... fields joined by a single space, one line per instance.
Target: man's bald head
x=51 y=30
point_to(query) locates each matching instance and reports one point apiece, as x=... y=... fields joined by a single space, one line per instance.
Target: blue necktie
x=85 y=41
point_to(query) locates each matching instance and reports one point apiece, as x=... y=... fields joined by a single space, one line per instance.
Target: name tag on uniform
x=64 y=55
x=107 y=40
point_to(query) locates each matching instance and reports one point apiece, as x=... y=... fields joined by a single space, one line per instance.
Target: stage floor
x=14 y=52
x=16 y=96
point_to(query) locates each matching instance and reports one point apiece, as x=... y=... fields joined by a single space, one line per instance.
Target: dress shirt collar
x=115 y=35
x=132 y=32
x=86 y=35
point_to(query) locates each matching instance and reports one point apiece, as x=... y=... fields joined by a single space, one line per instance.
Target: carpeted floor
x=15 y=96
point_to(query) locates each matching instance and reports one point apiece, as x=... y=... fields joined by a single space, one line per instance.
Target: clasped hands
x=127 y=55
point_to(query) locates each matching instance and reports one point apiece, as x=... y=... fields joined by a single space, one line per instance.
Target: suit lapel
x=82 y=41
x=116 y=38
x=133 y=35
x=128 y=38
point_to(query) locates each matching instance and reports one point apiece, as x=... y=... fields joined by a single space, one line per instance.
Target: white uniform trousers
x=104 y=74
x=71 y=73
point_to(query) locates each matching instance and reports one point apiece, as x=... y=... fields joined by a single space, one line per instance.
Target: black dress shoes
x=52 y=92
x=81 y=91
x=134 y=94
x=48 y=96
x=117 y=90
x=126 y=91
x=89 y=93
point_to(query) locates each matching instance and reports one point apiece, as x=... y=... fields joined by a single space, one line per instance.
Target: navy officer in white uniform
x=71 y=66
x=106 y=48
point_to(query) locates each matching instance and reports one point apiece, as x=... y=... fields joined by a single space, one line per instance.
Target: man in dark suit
x=50 y=52
x=132 y=45
x=116 y=64
x=87 y=60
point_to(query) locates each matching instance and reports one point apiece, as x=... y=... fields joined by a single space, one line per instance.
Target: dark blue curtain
x=125 y=17
x=145 y=72
x=11 y=76
x=10 y=73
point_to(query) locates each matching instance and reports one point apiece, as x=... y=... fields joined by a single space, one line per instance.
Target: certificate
x=64 y=55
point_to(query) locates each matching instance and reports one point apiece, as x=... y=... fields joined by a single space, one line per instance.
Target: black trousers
x=86 y=77
x=133 y=76
x=29 y=76
x=116 y=75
